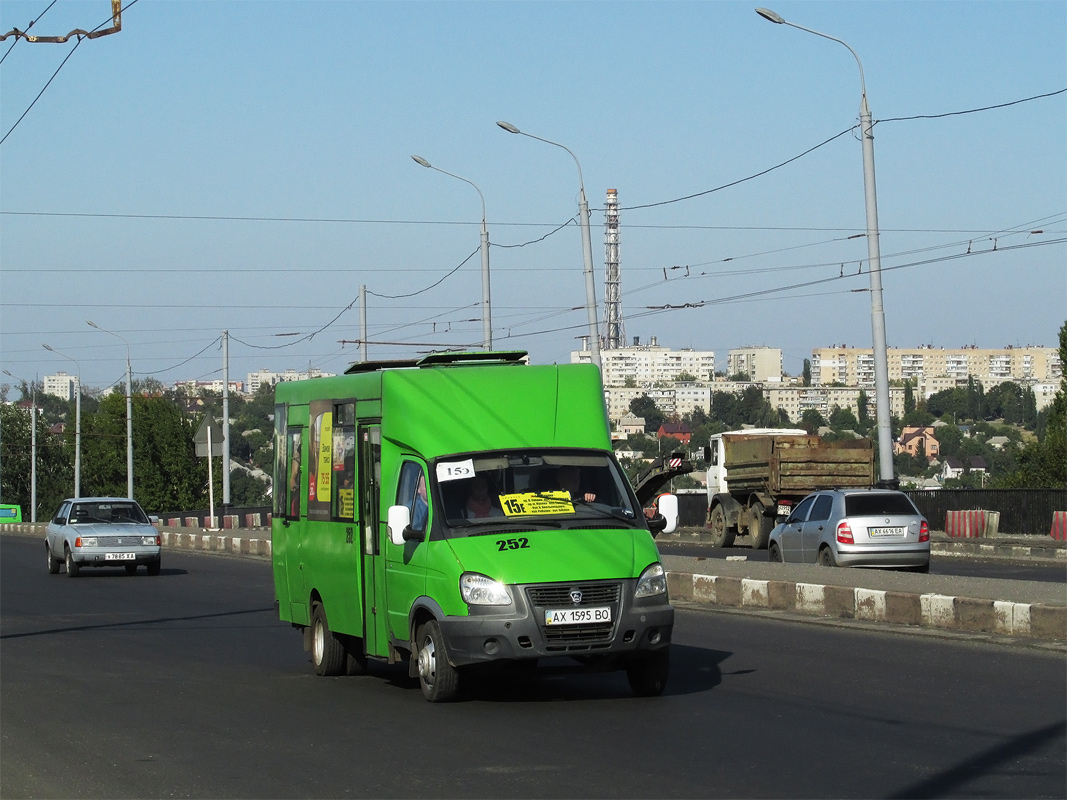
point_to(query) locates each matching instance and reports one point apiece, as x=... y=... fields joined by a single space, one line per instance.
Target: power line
x=80 y=34
x=972 y=110
x=32 y=23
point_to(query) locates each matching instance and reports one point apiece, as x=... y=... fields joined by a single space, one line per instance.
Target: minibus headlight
x=480 y=590
x=653 y=581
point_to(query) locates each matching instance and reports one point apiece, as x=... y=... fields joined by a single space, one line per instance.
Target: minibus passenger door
x=296 y=520
x=370 y=472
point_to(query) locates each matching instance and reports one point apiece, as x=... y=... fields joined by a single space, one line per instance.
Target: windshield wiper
x=608 y=513
x=523 y=525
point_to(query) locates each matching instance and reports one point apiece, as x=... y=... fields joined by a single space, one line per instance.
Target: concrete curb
x=960 y=614
x=258 y=543
x=217 y=543
x=940 y=543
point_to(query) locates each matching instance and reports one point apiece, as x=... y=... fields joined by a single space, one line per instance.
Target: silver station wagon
x=101 y=532
x=854 y=528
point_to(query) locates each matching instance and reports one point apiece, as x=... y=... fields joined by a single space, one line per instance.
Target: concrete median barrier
x=928 y=610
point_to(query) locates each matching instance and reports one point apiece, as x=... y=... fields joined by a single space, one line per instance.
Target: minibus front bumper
x=545 y=621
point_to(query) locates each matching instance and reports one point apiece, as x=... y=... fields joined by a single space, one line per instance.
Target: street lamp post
x=33 y=444
x=587 y=245
x=881 y=362
x=129 y=410
x=77 y=424
x=487 y=324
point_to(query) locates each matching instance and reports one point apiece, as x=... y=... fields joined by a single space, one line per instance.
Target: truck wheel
x=647 y=674
x=759 y=527
x=72 y=565
x=327 y=654
x=439 y=679
x=53 y=563
x=721 y=535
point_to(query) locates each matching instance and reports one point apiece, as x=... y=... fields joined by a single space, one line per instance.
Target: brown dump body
x=790 y=465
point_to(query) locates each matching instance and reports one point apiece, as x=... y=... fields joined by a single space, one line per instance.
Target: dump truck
x=756 y=476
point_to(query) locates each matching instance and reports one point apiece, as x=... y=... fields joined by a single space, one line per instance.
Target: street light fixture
x=587 y=244
x=487 y=324
x=77 y=424
x=33 y=444
x=881 y=361
x=129 y=410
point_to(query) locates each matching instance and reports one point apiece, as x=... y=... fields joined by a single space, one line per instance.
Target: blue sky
x=246 y=166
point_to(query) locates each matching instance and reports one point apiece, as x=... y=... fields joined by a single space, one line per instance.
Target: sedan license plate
x=876 y=533
x=577 y=616
x=120 y=556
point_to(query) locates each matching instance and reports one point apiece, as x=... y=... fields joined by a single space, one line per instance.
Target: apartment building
x=197 y=387
x=761 y=364
x=61 y=385
x=265 y=376
x=681 y=399
x=935 y=369
x=648 y=365
x=795 y=400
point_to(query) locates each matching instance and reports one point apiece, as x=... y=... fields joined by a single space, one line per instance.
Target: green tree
x=811 y=420
x=864 y=409
x=167 y=474
x=1043 y=464
x=843 y=419
x=909 y=398
x=55 y=473
x=807 y=372
x=685 y=377
x=645 y=407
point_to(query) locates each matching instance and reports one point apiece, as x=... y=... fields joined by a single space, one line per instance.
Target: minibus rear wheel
x=439 y=679
x=327 y=654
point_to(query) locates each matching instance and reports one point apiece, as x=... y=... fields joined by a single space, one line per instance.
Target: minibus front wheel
x=647 y=673
x=439 y=679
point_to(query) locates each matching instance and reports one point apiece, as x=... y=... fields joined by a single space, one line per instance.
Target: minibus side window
x=292 y=453
x=344 y=462
x=411 y=492
x=281 y=465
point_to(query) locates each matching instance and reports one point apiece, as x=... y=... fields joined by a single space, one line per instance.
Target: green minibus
x=464 y=509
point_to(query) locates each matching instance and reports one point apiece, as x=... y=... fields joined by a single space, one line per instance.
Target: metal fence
x=1024 y=511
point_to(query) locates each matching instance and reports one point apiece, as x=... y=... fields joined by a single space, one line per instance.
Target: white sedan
x=101 y=532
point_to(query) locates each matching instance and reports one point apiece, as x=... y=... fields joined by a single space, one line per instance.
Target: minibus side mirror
x=668 y=509
x=399 y=521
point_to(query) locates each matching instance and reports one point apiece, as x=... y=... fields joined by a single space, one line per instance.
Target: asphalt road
x=186 y=685
x=940 y=564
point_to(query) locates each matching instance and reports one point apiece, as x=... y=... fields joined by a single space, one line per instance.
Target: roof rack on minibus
x=438 y=359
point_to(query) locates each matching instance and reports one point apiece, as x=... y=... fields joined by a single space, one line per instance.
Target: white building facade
x=61 y=385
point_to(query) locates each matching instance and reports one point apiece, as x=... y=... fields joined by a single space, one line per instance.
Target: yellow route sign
x=530 y=504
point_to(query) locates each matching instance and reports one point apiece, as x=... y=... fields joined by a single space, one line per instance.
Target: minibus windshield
x=555 y=488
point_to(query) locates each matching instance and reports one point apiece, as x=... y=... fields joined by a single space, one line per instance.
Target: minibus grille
x=593 y=594
x=569 y=638
x=578 y=637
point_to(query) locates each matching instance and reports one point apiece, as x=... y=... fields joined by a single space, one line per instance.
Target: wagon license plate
x=577 y=616
x=876 y=533
x=120 y=556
